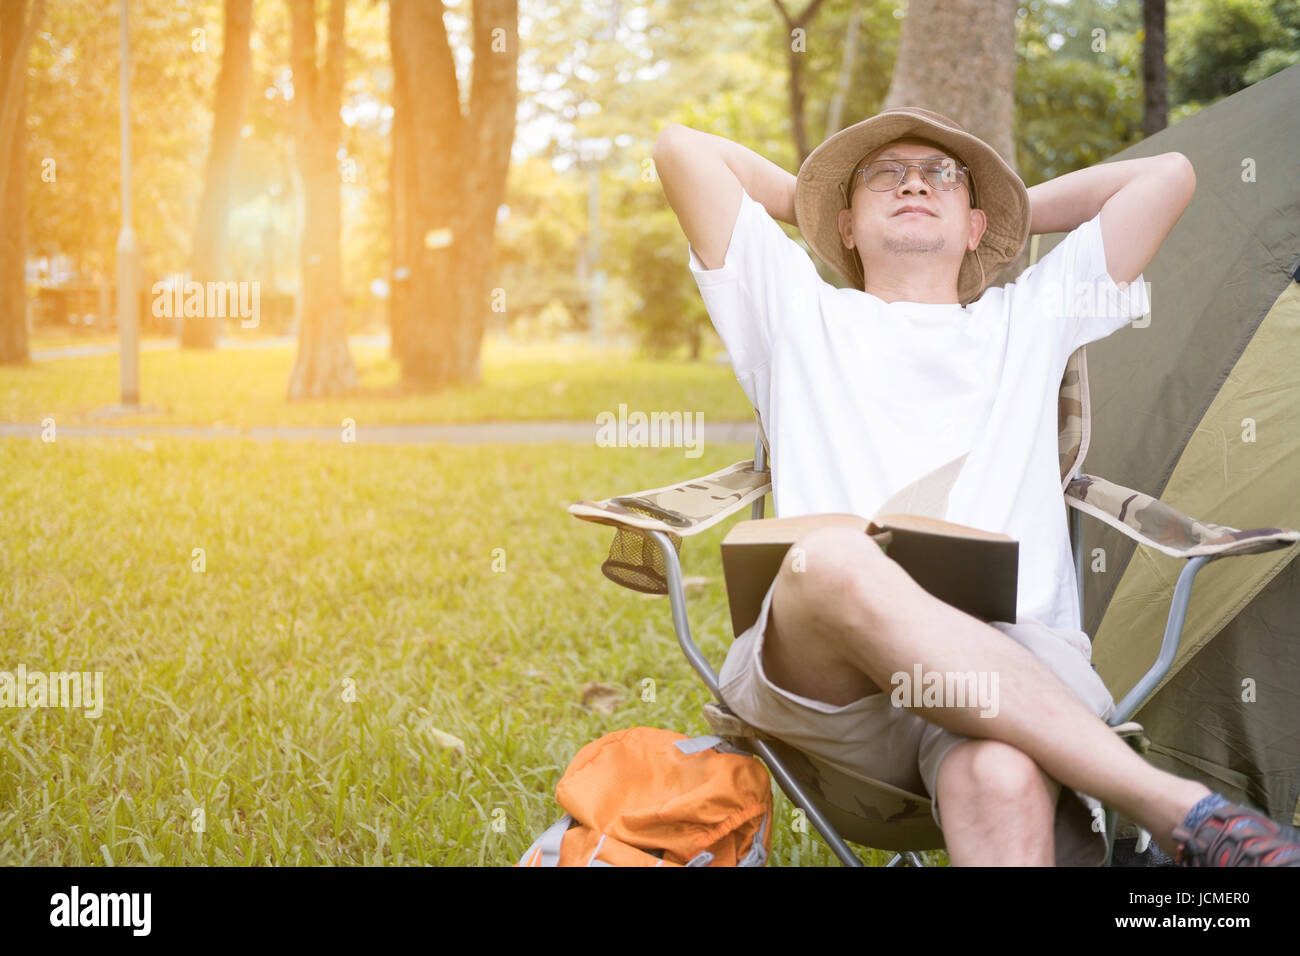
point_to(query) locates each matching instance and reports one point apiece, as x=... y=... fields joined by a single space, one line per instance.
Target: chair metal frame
x=798 y=794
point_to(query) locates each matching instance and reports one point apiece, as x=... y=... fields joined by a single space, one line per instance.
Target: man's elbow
x=1181 y=168
x=669 y=135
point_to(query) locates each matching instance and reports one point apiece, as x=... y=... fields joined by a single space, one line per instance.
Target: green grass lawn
x=327 y=567
x=533 y=383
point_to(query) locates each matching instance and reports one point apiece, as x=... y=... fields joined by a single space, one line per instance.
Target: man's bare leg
x=997 y=805
x=852 y=619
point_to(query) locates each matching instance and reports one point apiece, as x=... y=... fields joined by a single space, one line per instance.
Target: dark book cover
x=973 y=570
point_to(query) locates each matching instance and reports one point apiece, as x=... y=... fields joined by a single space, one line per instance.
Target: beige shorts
x=873 y=737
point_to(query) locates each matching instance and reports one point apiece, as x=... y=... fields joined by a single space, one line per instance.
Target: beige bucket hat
x=822 y=190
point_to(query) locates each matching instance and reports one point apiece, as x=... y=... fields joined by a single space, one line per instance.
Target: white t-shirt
x=860 y=397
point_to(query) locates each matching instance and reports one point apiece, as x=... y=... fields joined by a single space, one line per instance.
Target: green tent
x=1202 y=410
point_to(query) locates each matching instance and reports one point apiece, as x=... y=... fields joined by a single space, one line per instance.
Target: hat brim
x=1001 y=194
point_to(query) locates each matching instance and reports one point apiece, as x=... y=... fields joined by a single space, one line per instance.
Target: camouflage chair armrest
x=1151 y=522
x=686 y=508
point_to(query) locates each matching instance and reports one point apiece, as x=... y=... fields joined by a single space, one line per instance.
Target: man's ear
x=978 y=223
x=844 y=222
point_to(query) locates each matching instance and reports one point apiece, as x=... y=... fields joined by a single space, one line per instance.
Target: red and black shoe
x=1235 y=835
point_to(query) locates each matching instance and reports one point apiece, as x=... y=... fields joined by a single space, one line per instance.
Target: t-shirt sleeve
x=1072 y=286
x=766 y=279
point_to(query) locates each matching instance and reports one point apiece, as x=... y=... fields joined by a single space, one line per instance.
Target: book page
x=928 y=495
x=788 y=530
x=928 y=525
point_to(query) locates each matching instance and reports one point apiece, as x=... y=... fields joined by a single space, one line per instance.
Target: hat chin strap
x=983 y=278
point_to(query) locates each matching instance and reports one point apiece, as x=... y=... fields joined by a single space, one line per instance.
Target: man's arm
x=702 y=175
x=1139 y=201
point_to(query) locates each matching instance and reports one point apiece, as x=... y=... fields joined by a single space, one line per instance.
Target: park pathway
x=171 y=345
x=467 y=433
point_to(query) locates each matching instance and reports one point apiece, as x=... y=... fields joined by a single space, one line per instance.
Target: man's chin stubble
x=910 y=245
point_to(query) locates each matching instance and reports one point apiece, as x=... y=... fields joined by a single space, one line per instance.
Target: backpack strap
x=757 y=854
x=695 y=744
x=549 y=842
x=593 y=861
x=709 y=742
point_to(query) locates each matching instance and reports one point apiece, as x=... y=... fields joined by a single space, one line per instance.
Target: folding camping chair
x=842 y=805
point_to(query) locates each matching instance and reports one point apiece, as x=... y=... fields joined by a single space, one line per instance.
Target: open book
x=973 y=570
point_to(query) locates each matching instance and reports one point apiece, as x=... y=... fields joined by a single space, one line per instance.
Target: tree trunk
x=1155 y=113
x=835 y=114
x=207 y=259
x=16 y=31
x=449 y=180
x=980 y=37
x=323 y=365
x=795 y=53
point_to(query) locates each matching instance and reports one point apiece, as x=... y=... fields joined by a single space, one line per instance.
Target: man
x=919 y=364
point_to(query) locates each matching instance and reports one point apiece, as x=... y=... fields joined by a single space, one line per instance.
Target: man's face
x=876 y=224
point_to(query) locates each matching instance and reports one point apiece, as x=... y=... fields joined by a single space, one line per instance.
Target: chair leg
x=1112 y=821
x=784 y=779
x=1076 y=542
x=801 y=799
x=1136 y=697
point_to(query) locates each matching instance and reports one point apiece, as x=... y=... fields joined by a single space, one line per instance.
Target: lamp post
x=592 y=154
x=128 y=253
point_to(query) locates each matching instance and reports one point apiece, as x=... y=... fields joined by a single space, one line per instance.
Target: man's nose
x=907 y=182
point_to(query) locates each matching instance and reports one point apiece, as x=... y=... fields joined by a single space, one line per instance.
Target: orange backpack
x=650 y=797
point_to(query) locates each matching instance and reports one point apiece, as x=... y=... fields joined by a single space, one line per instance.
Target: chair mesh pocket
x=636 y=562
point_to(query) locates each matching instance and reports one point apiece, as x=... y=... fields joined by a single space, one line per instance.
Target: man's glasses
x=886 y=174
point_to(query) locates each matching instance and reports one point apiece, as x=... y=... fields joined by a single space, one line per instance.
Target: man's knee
x=818 y=599
x=990 y=771
x=827 y=575
x=998 y=807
